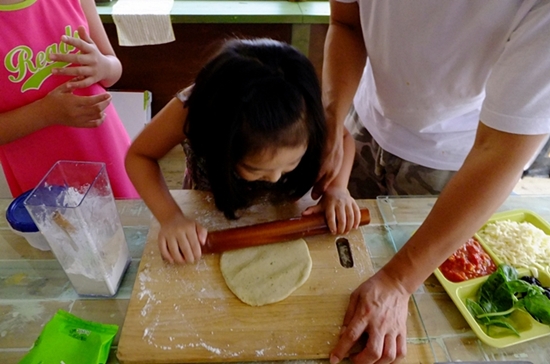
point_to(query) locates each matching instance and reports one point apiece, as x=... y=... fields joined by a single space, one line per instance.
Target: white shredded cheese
x=519 y=244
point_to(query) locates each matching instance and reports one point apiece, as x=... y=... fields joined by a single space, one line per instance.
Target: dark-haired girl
x=252 y=126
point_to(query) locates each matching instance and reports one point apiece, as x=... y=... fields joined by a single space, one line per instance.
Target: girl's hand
x=180 y=240
x=63 y=107
x=341 y=211
x=88 y=66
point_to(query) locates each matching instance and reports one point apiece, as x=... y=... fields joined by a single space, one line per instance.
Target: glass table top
x=449 y=335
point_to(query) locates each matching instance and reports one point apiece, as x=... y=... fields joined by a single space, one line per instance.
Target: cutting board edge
x=160 y=360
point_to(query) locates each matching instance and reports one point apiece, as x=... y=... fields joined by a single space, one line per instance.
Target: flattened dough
x=267 y=273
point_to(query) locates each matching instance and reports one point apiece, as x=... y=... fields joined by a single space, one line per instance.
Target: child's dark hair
x=255 y=94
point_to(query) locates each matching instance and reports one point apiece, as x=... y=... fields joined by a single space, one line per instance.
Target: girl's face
x=271 y=164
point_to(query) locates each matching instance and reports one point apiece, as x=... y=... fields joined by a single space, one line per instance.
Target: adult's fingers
x=374 y=351
x=350 y=335
x=346 y=340
x=401 y=348
x=352 y=306
x=378 y=350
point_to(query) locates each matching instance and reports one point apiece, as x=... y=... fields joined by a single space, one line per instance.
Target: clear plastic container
x=75 y=210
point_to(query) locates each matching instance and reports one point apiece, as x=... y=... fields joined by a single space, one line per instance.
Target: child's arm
x=341 y=211
x=180 y=239
x=59 y=107
x=99 y=36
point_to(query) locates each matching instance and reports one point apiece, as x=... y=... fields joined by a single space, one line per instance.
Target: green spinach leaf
x=503 y=293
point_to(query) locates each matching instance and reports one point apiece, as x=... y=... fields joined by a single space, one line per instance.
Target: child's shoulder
x=184 y=94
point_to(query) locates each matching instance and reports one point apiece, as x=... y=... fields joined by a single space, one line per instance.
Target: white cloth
x=143 y=22
x=436 y=68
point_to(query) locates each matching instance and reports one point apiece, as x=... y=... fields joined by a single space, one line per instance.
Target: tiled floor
x=173 y=165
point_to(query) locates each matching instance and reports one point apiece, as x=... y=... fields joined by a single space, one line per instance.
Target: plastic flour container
x=75 y=210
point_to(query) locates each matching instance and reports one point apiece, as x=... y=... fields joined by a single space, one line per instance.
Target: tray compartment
x=528 y=327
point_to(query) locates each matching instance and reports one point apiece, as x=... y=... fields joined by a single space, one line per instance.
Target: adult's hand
x=379 y=308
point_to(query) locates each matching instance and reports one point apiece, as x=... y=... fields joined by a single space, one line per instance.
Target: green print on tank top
x=20 y=61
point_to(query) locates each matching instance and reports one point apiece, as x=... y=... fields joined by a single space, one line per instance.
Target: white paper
x=143 y=22
x=133 y=108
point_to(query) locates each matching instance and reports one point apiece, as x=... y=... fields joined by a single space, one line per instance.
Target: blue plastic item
x=18 y=216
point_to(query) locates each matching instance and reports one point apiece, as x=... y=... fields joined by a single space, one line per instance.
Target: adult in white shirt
x=458 y=90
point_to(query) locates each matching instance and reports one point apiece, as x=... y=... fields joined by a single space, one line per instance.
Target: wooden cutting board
x=186 y=313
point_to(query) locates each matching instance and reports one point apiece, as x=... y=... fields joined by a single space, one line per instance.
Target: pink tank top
x=25 y=76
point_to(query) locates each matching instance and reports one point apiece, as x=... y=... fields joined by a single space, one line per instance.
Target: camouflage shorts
x=377 y=172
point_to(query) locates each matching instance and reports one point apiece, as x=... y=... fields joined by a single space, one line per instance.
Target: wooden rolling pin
x=270 y=232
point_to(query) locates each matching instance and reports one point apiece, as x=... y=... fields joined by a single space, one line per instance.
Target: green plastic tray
x=528 y=328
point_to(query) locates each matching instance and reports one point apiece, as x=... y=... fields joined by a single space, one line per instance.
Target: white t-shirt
x=435 y=68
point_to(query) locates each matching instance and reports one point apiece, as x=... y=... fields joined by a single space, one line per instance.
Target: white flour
x=85 y=234
x=105 y=278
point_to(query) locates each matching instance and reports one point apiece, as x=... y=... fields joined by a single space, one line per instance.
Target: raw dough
x=267 y=273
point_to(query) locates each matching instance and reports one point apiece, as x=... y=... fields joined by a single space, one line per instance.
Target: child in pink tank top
x=54 y=105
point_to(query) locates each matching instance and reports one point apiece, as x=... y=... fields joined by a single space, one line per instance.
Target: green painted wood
x=315 y=12
x=300 y=37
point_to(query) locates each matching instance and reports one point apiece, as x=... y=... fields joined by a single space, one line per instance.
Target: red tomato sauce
x=469 y=261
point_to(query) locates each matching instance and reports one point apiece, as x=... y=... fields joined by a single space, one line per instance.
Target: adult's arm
x=344 y=60
x=516 y=102
x=348 y=151
x=341 y=210
x=379 y=306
